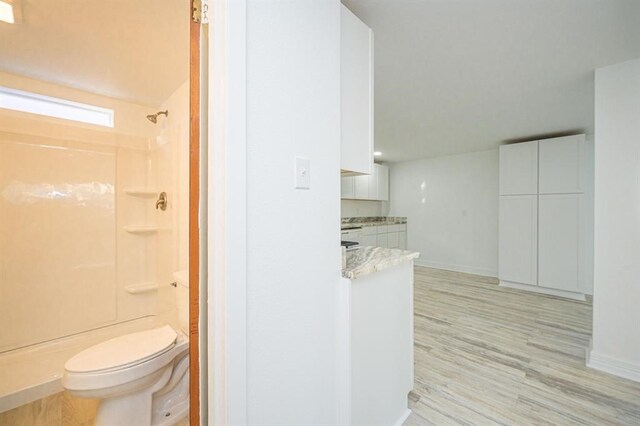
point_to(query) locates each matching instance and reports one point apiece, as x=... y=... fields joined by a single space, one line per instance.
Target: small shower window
x=34 y=103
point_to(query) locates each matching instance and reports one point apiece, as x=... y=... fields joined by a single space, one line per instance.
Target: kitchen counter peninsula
x=375 y=332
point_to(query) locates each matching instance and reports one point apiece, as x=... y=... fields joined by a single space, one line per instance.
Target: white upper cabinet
x=356 y=70
x=560 y=160
x=367 y=187
x=382 y=181
x=347 y=187
x=519 y=168
x=362 y=187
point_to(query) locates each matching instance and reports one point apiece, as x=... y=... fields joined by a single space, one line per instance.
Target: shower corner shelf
x=141 y=192
x=139 y=288
x=141 y=229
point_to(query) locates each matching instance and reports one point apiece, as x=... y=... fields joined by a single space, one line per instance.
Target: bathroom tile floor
x=58 y=409
x=487 y=355
x=61 y=409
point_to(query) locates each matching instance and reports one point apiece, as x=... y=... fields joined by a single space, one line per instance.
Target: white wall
x=293 y=254
x=616 y=315
x=451 y=205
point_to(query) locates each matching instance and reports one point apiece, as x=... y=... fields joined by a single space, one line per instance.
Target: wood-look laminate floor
x=488 y=355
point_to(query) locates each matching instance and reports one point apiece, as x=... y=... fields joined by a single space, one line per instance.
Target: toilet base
x=131 y=409
x=171 y=404
x=163 y=404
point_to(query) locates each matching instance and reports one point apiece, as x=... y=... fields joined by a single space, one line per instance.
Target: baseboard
x=485 y=272
x=543 y=290
x=403 y=418
x=612 y=366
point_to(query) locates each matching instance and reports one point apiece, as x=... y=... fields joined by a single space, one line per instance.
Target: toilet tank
x=182 y=299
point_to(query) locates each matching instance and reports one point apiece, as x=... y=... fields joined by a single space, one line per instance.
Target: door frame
x=217 y=216
x=194 y=217
x=226 y=214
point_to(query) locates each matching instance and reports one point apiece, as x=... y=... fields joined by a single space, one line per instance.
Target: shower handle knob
x=162 y=201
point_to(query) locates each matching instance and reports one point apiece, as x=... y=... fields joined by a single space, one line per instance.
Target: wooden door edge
x=194 y=213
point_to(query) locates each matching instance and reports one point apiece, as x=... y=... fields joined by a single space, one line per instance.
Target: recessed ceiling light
x=377 y=153
x=10 y=11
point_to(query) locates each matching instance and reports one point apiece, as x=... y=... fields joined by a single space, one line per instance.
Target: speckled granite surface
x=367 y=260
x=349 y=222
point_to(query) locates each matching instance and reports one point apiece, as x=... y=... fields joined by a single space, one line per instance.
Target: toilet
x=140 y=378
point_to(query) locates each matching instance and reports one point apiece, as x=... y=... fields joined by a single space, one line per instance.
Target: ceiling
x=137 y=51
x=455 y=76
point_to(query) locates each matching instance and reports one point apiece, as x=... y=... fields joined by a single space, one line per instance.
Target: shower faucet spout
x=162 y=201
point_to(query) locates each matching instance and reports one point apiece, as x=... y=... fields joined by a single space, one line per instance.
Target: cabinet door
x=559 y=241
x=373 y=184
x=519 y=169
x=382 y=178
x=355 y=236
x=356 y=94
x=393 y=240
x=402 y=240
x=362 y=187
x=383 y=240
x=369 y=240
x=370 y=230
x=560 y=164
x=518 y=239
x=347 y=188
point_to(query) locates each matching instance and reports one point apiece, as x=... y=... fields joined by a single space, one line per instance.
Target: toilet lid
x=123 y=351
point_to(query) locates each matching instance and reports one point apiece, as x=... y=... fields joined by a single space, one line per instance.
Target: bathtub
x=34 y=372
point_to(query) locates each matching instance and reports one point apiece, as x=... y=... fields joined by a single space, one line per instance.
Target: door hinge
x=200 y=12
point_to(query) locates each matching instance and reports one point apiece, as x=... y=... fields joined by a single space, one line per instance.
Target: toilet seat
x=123 y=352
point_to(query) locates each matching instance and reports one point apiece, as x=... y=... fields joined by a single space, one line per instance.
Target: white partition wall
x=616 y=336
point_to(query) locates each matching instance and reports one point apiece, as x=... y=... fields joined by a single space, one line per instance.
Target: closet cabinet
x=541 y=211
x=560 y=165
x=518 y=251
x=519 y=169
x=559 y=241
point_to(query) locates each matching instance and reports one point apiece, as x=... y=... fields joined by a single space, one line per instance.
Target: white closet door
x=519 y=168
x=518 y=239
x=559 y=241
x=560 y=160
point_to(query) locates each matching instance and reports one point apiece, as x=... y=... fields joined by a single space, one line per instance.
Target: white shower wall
x=66 y=259
x=169 y=168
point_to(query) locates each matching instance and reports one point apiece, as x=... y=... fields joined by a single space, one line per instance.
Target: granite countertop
x=367 y=260
x=351 y=222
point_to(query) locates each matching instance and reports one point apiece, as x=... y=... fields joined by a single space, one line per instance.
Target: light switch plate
x=303 y=173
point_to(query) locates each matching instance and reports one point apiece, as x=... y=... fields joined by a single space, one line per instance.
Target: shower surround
x=82 y=246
